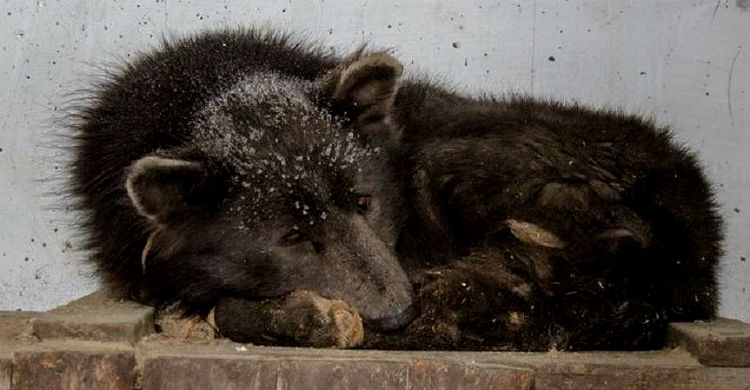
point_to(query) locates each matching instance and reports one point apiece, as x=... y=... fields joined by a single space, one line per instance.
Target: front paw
x=173 y=325
x=301 y=319
x=319 y=322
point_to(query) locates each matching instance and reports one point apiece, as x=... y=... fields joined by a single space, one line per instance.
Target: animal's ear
x=364 y=88
x=162 y=188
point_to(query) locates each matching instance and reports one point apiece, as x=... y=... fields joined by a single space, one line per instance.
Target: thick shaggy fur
x=520 y=224
x=146 y=106
x=635 y=235
x=215 y=166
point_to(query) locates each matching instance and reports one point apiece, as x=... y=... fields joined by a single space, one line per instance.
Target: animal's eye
x=363 y=203
x=293 y=237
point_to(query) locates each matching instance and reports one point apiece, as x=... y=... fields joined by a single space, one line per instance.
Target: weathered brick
x=15 y=331
x=466 y=374
x=332 y=373
x=170 y=364
x=232 y=366
x=668 y=369
x=96 y=317
x=15 y=324
x=720 y=343
x=205 y=372
x=74 y=365
x=614 y=377
x=105 y=327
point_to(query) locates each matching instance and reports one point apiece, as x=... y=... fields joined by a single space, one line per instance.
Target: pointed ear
x=161 y=188
x=364 y=88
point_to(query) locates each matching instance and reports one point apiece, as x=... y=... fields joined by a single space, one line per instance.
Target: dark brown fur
x=521 y=224
x=625 y=230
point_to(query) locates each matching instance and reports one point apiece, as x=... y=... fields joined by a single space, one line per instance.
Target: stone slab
x=96 y=317
x=720 y=343
x=98 y=342
x=665 y=369
x=15 y=324
x=15 y=330
x=466 y=374
x=165 y=364
x=228 y=366
x=74 y=365
x=234 y=366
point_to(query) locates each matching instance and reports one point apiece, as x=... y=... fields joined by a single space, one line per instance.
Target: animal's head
x=286 y=184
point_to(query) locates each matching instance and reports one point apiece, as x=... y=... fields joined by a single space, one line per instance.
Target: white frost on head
x=267 y=131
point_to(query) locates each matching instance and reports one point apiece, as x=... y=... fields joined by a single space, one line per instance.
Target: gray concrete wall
x=686 y=63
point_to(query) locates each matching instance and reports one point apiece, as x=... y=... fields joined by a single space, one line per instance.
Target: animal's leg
x=591 y=214
x=303 y=318
x=486 y=300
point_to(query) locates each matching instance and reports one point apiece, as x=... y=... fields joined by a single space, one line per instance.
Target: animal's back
x=636 y=230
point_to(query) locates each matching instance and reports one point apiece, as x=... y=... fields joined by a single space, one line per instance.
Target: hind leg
x=589 y=214
x=663 y=233
x=474 y=306
x=486 y=300
x=525 y=292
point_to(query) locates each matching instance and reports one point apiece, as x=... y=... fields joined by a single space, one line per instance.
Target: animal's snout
x=392 y=321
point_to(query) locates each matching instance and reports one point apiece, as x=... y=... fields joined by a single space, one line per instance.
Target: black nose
x=392 y=322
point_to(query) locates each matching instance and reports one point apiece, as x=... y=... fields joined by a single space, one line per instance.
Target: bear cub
x=298 y=192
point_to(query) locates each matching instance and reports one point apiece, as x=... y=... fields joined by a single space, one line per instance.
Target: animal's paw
x=435 y=331
x=475 y=304
x=302 y=318
x=173 y=325
x=319 y=322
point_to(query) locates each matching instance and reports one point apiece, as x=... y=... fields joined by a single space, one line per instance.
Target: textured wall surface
x=686 y=63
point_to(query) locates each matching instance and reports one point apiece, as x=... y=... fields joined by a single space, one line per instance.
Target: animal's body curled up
x=244 y=165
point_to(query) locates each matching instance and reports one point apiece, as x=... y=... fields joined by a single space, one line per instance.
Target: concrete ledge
x=15 y=329
x=666 y=369
x=73 y=365
x=96 y=317
x=234 y=366
x=721 y=342
x=96 y=342
x=15 y=324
